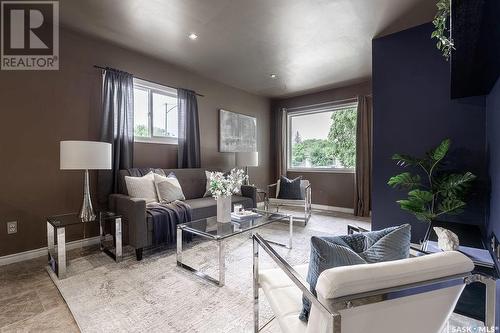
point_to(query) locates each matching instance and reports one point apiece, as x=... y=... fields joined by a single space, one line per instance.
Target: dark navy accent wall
x=493 y=147
x=413 y=112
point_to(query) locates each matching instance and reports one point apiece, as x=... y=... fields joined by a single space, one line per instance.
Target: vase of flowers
x=223 y=186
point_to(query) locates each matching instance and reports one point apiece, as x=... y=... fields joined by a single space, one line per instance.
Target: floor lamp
x=85 y=155
x=247 y=159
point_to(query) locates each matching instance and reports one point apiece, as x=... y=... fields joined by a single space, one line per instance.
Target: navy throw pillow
x=326 y=253
x=290 y=188
x=362 y=248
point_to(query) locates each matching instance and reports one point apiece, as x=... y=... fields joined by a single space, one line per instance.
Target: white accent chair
x=305 y=188
x=415 y=295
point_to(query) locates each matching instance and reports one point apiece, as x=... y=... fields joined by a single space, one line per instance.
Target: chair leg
x=255 y=286
x=138 y=254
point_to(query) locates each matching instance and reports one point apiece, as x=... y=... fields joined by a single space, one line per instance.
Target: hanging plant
x=442 y=32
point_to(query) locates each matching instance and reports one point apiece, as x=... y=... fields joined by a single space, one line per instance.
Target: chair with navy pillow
x=368 y=289
x=291 y=192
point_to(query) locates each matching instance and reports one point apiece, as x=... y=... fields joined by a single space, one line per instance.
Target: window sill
x=322 y=170
x=166 y=141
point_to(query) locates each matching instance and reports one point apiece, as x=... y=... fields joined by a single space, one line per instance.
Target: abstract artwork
x=238 y=132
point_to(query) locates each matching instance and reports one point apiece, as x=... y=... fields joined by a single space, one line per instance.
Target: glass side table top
x=210 y=228
x=64 y=220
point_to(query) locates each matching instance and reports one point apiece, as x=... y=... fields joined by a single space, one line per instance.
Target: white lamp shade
x=85 y=155
x=247 y=159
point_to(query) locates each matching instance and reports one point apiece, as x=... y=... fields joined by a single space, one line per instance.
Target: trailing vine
x=442 y=32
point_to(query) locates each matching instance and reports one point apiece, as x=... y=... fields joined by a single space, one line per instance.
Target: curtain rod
x=140 y=78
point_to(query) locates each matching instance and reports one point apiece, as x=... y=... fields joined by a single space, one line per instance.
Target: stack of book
x=244 y=215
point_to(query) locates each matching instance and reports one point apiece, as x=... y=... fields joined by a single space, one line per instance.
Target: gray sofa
x=138 y=229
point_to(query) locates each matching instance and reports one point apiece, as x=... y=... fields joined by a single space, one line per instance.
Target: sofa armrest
x=133 y=212
x=250 y=191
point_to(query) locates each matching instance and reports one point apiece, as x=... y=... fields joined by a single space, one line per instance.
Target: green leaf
x=425 y=216
x=403 y=160
x=455 y=185
x=423 y=196
x=405 y=180
x=450 y=206
x=440 y=151
x=411 y=205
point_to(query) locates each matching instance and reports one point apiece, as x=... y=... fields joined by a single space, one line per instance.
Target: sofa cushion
x=192 y=181
x=168 y=188
x=142 y=187
x=207 y=207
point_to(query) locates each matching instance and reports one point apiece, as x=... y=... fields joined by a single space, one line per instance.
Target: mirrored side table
x=56 y=238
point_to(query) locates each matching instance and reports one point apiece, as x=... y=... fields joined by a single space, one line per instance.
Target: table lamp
x=247 y=159
x=85 y=155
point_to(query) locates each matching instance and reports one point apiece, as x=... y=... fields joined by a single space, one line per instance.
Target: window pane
x=141 y=118
x=164 y=115
x=324 y=139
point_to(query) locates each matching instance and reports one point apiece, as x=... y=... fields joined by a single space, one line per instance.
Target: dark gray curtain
x=117 y=128
x=189 y=130
x=362 y=204
x=280 y=132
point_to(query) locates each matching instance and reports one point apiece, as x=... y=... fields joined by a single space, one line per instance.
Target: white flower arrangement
x=225 y=186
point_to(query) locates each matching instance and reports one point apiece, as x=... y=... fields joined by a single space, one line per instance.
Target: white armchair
x=412 y=295
x=305 y=188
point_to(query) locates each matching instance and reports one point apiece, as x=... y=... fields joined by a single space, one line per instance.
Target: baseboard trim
x=322 y=207
x=333 y=208
x=36 y=253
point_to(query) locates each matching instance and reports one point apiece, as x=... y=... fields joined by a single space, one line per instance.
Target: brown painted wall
x=331 y=189
x=40 y=108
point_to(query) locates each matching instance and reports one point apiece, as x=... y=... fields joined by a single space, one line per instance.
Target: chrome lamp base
x=87 y=213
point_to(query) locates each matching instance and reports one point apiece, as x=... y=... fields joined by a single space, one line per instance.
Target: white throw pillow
x=142 y=187
x=208 y=193
x=168 y=188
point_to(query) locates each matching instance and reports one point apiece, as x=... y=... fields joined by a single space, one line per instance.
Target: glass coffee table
x=218 y=232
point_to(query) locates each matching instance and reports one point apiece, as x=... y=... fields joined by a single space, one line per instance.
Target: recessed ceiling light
x=273 y=76
x=193 y=36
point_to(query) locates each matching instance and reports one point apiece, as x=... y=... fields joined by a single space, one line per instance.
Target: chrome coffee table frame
x=220 y=240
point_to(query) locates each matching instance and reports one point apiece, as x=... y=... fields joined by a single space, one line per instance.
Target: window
x=322 y=138
x=155 y=113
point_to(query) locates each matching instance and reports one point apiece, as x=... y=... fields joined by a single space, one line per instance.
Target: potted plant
x=435 y=194
x=223 y=187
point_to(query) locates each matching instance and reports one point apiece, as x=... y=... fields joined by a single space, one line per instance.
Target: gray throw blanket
x=165 y=218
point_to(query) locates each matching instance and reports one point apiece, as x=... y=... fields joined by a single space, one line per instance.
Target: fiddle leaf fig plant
x=442 y=31
x=437 y=192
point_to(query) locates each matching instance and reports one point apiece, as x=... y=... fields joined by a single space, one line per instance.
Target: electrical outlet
x=11 y=227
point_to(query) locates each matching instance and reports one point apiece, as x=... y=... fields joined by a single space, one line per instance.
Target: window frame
x=307 y=110
x=151 y=88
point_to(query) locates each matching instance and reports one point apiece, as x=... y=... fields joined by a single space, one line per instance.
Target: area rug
x=154 y=295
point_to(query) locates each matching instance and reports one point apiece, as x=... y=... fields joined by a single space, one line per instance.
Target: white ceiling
x=310 y=44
